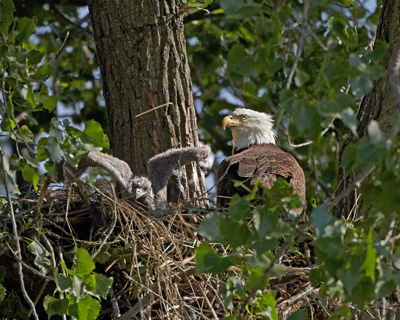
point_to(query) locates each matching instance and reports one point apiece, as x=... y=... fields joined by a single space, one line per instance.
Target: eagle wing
x=265 y=162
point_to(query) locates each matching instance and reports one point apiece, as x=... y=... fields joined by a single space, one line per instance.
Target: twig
x=44 y=285
x=66 y=214
x=307 y=143
x=50 y=248
x=114 y=304
x=392 y=225
x=142 y=303
x=354 y=184
x=324 y=47
x=27 y=266
x=16 y=238
x=155 y=108
x=62 y=45
x=113 y=224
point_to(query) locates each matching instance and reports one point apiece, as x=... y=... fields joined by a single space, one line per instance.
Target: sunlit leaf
x=84 y=262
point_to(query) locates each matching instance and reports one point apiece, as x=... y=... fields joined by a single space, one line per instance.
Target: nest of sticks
x=151 y=260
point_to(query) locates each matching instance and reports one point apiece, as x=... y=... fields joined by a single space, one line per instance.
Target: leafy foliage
x=251 y=246
x=78 y=287
x=307 y=62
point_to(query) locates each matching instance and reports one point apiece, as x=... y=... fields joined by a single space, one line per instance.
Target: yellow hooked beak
x=229 y=122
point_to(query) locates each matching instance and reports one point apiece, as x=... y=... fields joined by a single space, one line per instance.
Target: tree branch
x=16 y=238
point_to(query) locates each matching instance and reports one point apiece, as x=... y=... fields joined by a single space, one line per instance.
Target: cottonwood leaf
x=25 y=27
x=210 y=227
x=55 y=306
x=103 y=285
x=208 y=261
x=6 y=16
x=234 y=233
x=299 y=315
x=239 y=208
x=84 y=263
x=86 y=309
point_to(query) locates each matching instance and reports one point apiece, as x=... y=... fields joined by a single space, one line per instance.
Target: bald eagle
x=256 y=157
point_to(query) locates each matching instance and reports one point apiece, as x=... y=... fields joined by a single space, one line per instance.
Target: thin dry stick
x=27 y=266
x=16 y=238
x=115 y=218
x=44 y=285
x=145 y=301
x=66 y=214
x=62 y=46
x=317 y=39
x=158 y=107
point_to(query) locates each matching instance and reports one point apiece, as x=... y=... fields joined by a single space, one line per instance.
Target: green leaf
x=24 y=134
x=55 y=306
x=41 y=257
x=29 y=174
x=7 y=124
x=84 y=263
x=103 y=285
x=239 y=208
x=349 y=119
x=299 y=315
x=25 y=28
x=380 y=51
x=50 y=103
x=86 y=309
x=29 y=160
x=343 y=313
x=361 y=85
x=63 y=283
x=207 y=261
x=34 y=57
x=7 y=15
x=55 y=151
x=277 y=270
x=239 y=61
x=234 y=233
x=255 y=275
x=266 y=306
x=78 y=286
x=301 y=78
x=370 y=258
x=231 y=317
x=326 y=226
x=43 y=72
x=3 y=292
x=93 y=134
x=210 y=227
x=64 y=266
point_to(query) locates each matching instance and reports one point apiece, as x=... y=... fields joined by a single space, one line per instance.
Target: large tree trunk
x=379 y=104
x=141 y=51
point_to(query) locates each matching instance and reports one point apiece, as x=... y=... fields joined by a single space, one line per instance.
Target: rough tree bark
x=141 y=51
x=379 y=104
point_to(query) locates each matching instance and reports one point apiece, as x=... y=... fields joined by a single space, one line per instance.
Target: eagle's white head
x=249 y=127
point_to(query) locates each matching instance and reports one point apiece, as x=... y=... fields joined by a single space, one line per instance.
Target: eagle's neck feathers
x=245 y=137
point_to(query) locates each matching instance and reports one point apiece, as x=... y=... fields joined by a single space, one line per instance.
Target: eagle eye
x=244 y=117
